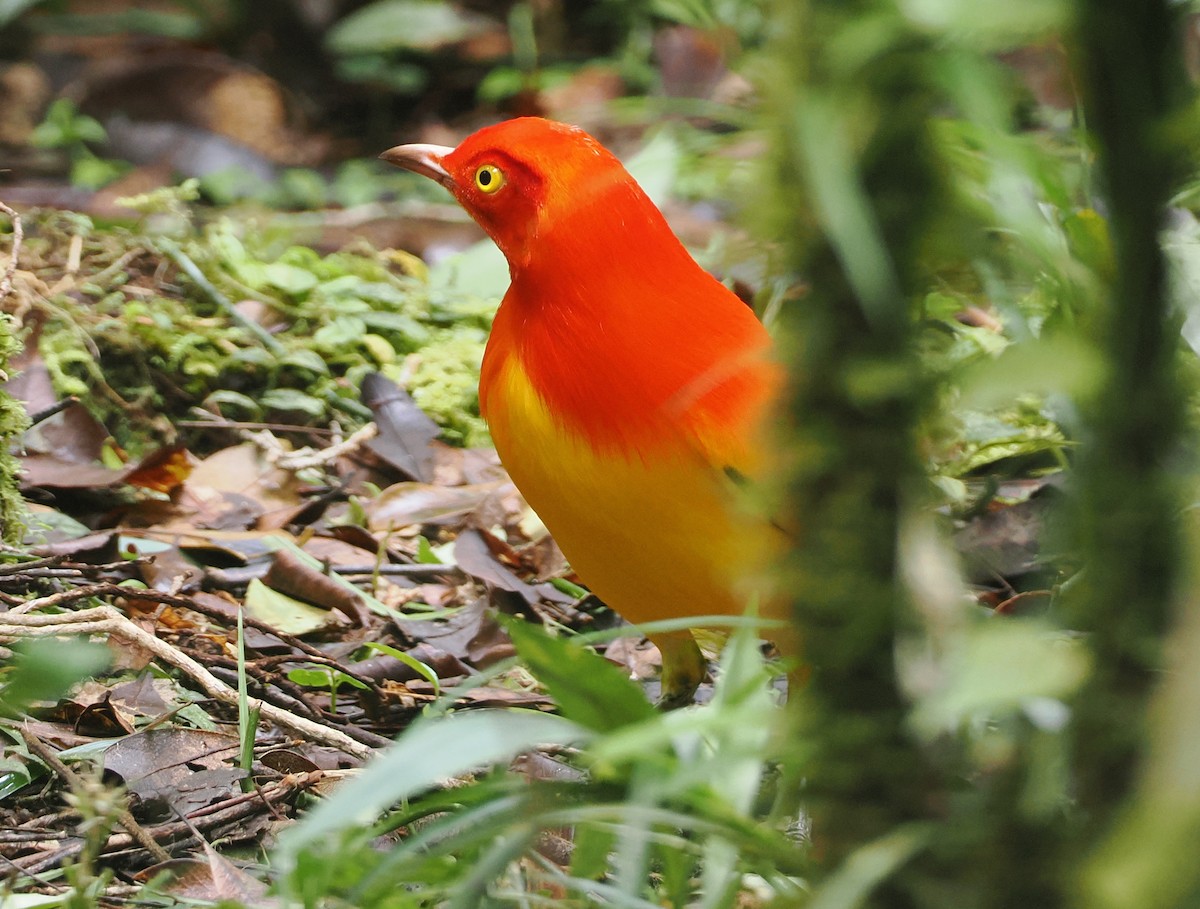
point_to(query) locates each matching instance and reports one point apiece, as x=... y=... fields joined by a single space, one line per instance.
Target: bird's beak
x=422 y=159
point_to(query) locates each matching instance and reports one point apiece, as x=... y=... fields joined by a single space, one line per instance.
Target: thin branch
x=179 y=833
x=192 y=270
x=108 y=620
x=18 y=236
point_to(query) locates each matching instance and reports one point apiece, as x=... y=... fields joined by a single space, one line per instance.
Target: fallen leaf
x=180 y=766
x=162 y=471
x=406 y=433
x=423 y=503
x=475 y=557
x=291 y=576
x=285 y=613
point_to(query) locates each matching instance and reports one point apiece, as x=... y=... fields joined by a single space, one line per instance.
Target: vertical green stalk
x=247 y=712
x=1129 y=497
x=856 y=194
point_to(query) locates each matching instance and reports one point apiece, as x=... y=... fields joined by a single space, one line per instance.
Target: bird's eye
x=489 y=178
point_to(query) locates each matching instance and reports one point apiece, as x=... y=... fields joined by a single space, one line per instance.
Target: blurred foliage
x=900 y=138
x=67 y=129
x=43 y=670
x=660 y=807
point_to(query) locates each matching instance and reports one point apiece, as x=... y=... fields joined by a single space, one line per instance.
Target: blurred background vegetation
x=972 y=225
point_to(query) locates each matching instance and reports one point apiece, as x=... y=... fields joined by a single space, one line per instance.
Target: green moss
x=142 y=341
x=444 y=380
x=13 y=422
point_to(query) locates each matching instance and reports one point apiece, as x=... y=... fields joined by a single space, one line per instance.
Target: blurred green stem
x=852 y=147
x=1129 y=496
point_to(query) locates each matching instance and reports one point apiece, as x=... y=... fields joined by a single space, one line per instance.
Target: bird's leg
x=683 y=668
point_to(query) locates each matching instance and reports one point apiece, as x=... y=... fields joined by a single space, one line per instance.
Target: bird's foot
x=683 y=668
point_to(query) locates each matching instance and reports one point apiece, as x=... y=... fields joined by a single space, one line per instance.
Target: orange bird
x=625 y=388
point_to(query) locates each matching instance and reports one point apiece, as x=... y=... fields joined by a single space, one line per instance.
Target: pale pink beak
x=422 y=159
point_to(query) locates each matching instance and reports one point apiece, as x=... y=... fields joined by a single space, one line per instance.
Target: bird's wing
x=726 y=430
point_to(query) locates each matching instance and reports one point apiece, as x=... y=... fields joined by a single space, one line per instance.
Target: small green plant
x=67 y=129
x=135 y=358
x=99 y=807
x=324 y=677
x=646 y=808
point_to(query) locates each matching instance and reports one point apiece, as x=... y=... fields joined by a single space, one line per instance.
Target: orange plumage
x=625 y=387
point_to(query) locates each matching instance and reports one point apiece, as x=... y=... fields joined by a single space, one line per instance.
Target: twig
x=400 y=569
x=108 y=620
x=224 y=812
x=74 y=255
x=206 y=420
x=18 y=236
x=70 y=596
x=309 y=457
x=40 y=881
x=192 y=270
x=53 y=561
x=315 y=653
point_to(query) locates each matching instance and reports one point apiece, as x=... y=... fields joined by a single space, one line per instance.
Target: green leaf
x=229 y=184
x=1001 y=667
x=16 y=775
x=92 y=173
x=425 y=554
x=412 y=330
x=291 y=279
x=424 y=670
x=303 y=187
x=357 y=183
x=323 y=677
x=432 y=750
x=868 y=866
x=409 y=24
x=34 y=900
x=292 y=400
x=1054 y=364
x=247 y=715
x=587 y=688
x=283 y=612
x=480 y=270
x=562 y=584
x=44 y=669
x=656 y=165
x=342 y=332
x=88 y=751
x=228 y=398
x=308 y=360
x=990 y=24
x=150 y=22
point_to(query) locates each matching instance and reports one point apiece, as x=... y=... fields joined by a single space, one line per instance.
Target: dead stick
x=18 y=235
x=108 y=620
x=178 y=833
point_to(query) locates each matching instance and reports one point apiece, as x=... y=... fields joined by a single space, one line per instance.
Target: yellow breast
x=655 y=535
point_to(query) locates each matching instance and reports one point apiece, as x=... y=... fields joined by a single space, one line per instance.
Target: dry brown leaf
x=186 y=768
x=423 y=503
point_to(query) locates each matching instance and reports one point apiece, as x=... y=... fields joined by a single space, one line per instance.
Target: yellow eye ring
x=489 y=178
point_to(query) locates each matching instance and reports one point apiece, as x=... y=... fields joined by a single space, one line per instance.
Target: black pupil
x=485 y=178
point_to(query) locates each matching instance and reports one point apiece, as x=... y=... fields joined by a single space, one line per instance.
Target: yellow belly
x=655 y=538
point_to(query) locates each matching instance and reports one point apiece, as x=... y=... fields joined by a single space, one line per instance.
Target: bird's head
x=519 y=177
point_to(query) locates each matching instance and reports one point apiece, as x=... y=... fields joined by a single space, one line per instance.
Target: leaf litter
x=182 y=478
